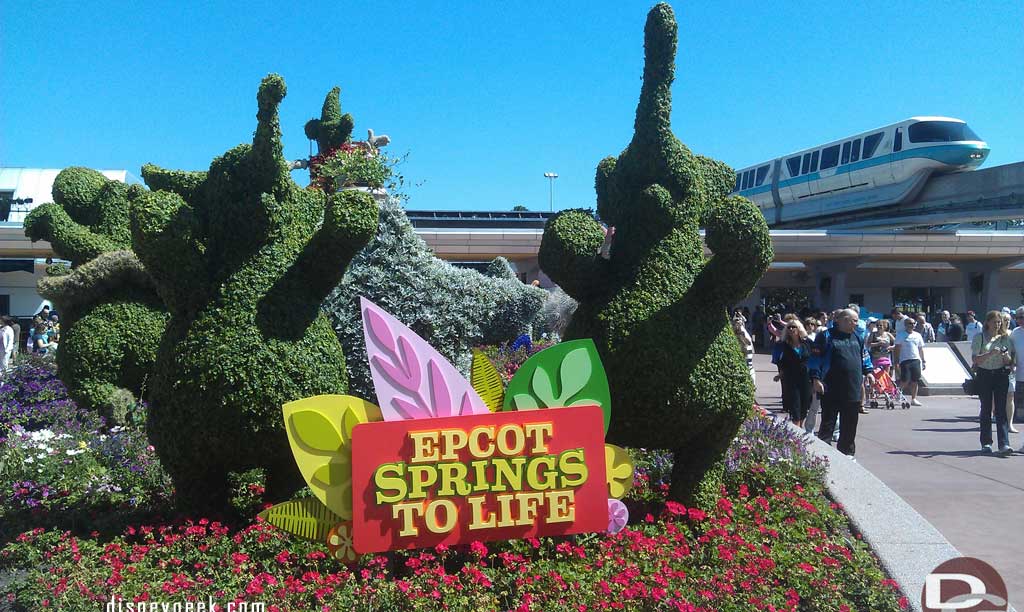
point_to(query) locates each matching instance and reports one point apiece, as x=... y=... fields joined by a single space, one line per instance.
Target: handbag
x=970 y=386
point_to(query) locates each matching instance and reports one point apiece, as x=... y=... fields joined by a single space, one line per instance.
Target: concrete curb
x=908 y=546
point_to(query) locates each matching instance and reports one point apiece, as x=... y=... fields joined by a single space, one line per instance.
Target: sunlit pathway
x=930 y=457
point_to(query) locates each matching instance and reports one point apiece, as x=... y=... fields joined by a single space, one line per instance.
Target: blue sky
x=484 y=96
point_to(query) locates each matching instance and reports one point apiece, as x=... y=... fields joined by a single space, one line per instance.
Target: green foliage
x=556 y=314
x=332 y=129
x=350 y=165
x=656 y=308
x=454 y=309
x=112 y=317
x=247 y=489
x=243 y=260
x=501 y=268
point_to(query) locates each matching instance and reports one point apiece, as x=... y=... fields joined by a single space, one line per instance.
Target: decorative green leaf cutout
x=306 y=518
x=577 y=368
x=334 y=474
x=315 y=431
x=542 y=388
x=486 y=381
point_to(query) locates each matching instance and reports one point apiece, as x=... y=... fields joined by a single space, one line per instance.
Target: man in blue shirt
x=838 y=366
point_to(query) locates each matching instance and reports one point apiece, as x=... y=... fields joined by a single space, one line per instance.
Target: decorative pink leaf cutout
x=412 y=380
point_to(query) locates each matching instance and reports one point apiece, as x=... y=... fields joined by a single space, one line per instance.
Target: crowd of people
x=43 y=336
x=827 y=361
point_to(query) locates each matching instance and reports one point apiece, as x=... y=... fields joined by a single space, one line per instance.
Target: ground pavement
x=929 y=455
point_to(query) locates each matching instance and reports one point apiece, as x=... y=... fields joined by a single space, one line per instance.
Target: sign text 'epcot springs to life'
x=444 y=460
x=495 y=476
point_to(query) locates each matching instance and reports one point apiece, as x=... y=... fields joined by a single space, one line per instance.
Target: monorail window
x=750 y=178
x=940 y=131
x=814 y=161
x=846 y=153
x=855 y=152
x=830 y=157
x=737 y=187
x=871 y=144
x=805 y=167
x=762 y=172
x=793 y=163
x=897 y=143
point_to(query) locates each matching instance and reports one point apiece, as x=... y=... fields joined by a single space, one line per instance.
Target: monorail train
x=885 y=166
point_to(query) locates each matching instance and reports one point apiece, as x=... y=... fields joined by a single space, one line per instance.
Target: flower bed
x=769 y=540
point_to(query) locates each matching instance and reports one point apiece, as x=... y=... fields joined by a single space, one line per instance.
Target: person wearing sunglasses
x=993 y=354
x=791 y=355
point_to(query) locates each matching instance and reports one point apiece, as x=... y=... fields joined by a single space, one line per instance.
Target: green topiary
x=332 y=129
x=112 y=316
x=657 y=307
x=501 y=268
x=243 y=259
x=454 y=309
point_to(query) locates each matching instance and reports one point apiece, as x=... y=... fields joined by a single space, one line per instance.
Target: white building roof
x=37 y=183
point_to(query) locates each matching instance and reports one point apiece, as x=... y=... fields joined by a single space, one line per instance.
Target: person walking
x=1017 y=337
x=837 y=368
x=955 y=331
x=925 y=328
x=942 y=328
x=973 y=327
x=757 y=322
x=791 y=355
x=7 y=343
x=813 y=328
x=1011 y=387
x=880 y=346
x=909 y=353
x=992 y=353
x=746 y=344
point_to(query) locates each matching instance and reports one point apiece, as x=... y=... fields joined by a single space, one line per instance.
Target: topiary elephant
x=657 y=307
x=112 y=317
x=243 y=258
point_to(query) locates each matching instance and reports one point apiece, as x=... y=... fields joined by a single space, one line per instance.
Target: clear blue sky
x=485 y=97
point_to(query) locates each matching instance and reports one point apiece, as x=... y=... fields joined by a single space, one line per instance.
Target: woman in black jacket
x=790 y=355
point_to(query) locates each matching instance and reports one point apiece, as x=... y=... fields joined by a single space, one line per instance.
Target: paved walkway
x=930 y=457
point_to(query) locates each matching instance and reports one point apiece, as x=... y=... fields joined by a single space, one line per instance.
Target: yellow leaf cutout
x=306 y=518
x=619 y=469
x=313 y=425
x=486 y=381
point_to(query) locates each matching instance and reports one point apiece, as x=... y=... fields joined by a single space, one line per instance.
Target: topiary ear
x=313 y=129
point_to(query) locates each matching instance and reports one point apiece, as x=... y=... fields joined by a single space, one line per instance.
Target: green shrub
x=657 y=307
x=454 y=309
x=243 y=257
x=112 y=317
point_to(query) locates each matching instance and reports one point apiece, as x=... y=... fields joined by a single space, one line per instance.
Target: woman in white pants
x=6 y=343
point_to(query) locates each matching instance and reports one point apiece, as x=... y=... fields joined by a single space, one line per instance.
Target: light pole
x=551 y=176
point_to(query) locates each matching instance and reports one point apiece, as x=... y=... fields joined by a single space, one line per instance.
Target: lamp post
x=551 y=176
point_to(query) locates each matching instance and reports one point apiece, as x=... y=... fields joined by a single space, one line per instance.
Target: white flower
x=29 y=460
x=73 y=452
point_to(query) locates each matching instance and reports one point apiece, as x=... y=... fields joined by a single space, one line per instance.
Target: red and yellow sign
x=418 y=483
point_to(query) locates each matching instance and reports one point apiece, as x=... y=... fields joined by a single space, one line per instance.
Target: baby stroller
x=885 y=391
